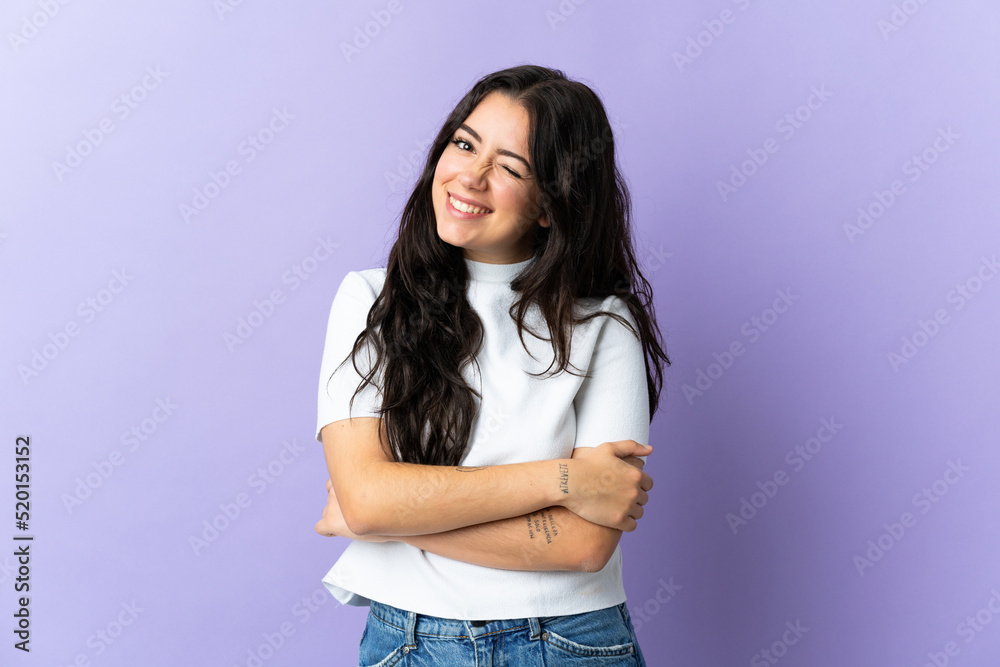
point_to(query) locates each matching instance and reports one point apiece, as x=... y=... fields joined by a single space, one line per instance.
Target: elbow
x=358 y=525
x=360 y=518
x=600 y=551
x=594 y=562
x=365 y=507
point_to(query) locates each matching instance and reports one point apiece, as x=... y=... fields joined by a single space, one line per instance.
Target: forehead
x=500 y=122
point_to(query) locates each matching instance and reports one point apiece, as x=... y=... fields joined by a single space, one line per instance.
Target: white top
x=521 y=418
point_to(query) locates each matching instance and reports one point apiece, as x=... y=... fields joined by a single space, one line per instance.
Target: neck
x=486 y=272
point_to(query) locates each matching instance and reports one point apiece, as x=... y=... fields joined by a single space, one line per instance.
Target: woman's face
x=486 y=166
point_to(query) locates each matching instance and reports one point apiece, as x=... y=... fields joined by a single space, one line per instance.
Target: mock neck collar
x=484 y=272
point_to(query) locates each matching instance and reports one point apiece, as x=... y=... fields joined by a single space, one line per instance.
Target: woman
x=486 y=496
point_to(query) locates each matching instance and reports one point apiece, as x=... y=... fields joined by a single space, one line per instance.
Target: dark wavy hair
x=421 y=326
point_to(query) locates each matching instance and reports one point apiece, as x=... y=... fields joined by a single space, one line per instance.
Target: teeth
x=465 y=208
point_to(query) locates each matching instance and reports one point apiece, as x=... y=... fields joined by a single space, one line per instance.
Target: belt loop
x=411 y=626
x=536 y=627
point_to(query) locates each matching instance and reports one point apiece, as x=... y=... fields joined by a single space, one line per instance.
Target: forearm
x=410 y=499
x=553 y=538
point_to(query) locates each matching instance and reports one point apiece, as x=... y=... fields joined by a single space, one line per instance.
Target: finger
x=329 y=485
x=637 y=512
x=647 y=482
x=628 y=525
x=630 y=448
x=635 y=461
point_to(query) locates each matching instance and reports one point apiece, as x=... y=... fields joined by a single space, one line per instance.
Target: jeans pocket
x=382 y=645
x=388 y=661
x=591 y=634
x=587 y=650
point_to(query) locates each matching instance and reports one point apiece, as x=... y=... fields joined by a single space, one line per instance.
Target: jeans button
x=545 y=636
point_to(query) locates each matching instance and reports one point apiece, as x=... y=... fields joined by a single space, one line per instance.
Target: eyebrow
x=502 y=151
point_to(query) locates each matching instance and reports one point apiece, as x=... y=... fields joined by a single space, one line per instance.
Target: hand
x=607 y=489
x=333 y=523
x=635 y=461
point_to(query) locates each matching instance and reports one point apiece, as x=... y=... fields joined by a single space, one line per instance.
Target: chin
x=447 y=235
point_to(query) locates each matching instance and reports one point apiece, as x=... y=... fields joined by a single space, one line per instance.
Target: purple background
x=340 y=169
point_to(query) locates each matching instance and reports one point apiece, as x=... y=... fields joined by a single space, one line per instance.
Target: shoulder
x=362 y=285
x=608 y=309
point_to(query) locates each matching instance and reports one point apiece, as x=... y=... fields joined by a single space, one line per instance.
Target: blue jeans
x=400 y=638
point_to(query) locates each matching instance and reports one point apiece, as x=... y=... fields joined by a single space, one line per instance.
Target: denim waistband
x=414 y=624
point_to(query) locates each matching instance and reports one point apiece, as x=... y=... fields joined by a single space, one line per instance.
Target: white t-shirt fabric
x=520 y=418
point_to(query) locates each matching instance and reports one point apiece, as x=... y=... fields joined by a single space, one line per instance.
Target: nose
x=474 y=176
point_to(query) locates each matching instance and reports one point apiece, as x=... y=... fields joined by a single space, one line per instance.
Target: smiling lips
x=462 y=206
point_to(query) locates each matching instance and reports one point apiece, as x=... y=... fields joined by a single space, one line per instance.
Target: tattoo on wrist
x=564 y=477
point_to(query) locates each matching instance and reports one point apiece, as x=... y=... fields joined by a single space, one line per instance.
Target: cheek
x=515 y=199
x=446 y=168
x=437 y=185
x=504 y=197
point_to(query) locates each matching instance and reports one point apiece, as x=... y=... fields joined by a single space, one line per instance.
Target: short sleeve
x=348 y=316
x=613 y=403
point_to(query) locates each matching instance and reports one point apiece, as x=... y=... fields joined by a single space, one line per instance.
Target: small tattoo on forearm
x=469 y=468
x=546 y=527
x=564 y=477
x=542 y=523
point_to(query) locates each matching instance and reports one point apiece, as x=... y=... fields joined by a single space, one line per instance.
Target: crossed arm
x=510 y=517
x=553 y=538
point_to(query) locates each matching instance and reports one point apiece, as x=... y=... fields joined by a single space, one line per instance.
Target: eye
x=459 y=141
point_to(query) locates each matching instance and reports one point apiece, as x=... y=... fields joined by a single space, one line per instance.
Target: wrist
x=562 y=490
